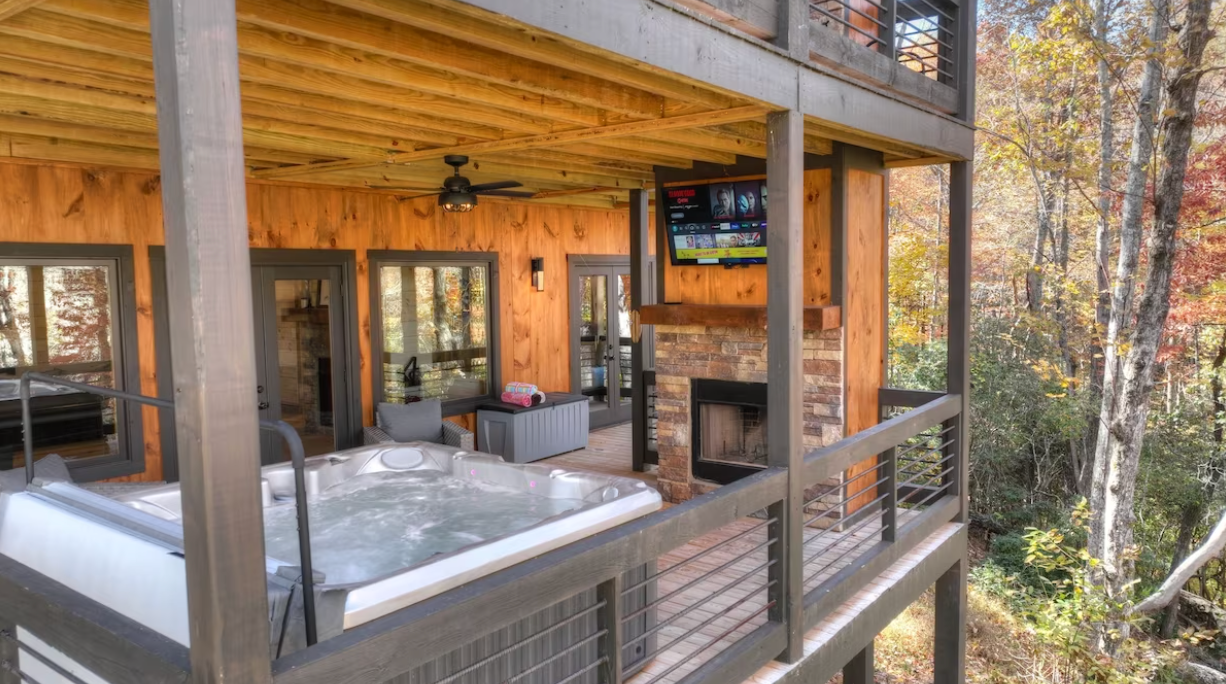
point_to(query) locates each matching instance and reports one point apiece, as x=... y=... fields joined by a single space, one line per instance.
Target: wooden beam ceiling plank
x=131 y=14
x=902 y=163
x=332 y=23
x=40 y=24
x=25 y=124
x=373 y=114
x=310 y=130
x=701 y=137
x=676 y=150
x=564 y=159
x=269 y=72
x=77 y=59
x=11 y=8
x=273 y=45
x=572 y=165
x=35 y=147
x=344 y=122
x=535 y=46
x=553 y=139
x=39 y=69
x=72 y=113
x=17 y=85
x=527 y=172
x=818 y=145
x=640 y=156
x=820 y=131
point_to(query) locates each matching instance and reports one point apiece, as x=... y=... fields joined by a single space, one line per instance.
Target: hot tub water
x=377 y=523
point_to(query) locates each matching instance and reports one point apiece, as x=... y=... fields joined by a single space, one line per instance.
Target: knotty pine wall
x=715 y=285
x=72 y=204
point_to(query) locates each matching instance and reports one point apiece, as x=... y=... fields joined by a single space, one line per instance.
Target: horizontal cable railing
x=874 y=496
x=918 y=34
x=688 y=595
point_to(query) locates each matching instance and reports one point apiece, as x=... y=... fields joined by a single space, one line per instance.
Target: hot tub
x=391 y=525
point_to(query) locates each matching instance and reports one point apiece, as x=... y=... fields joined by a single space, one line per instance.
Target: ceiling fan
x=457 y=194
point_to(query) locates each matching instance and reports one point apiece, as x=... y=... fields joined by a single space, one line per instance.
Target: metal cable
x=696 y=556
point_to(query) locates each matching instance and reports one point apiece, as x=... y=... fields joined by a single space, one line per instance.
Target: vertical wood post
x=793 y=30
x=639 y=277
x=9 y=653
x=860 y=669
x=785 y=368
x=949 y=649
x=964 y=57
x=610 y=619
x=950 y=646
x=195 y=58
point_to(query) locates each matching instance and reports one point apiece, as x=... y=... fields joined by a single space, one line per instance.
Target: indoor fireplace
x=728 y=429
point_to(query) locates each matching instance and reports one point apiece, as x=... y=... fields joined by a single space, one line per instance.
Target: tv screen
x=716 y=222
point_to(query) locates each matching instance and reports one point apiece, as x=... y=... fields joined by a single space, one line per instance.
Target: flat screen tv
x=716 y=222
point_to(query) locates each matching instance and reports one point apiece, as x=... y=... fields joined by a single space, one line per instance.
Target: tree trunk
x=1187 y=528
x=1113 y=482
x=1119 y=446
x=1102 y=235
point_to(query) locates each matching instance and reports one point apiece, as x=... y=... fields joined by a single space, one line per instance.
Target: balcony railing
x=706 y=609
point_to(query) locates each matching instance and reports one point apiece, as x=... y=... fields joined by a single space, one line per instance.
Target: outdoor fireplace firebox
x=729 y=429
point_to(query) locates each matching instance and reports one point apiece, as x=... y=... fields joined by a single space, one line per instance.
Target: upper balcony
x=912 y=48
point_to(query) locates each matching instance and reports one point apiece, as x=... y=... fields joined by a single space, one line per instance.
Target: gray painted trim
x=112 y=646
x=737 y=662
x=793 y=28
x=346 y=336
x=860 y=669
x=131 y=457
x=376 y=258
x=785 y=367
x=640 y=277
x=949 y=647
x=827 y=659
x=905 y=398
x=664 y=37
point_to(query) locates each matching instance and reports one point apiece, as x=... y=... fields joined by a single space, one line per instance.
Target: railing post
x=638 y=296
x=964 y=57
x=889 y=473
x=9 y=672
x=609 y=618
x=200 y=141
x=785 y=367
x=887 y=34
x=793 y=29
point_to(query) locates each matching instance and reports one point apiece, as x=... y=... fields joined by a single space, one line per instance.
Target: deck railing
x=711 y=568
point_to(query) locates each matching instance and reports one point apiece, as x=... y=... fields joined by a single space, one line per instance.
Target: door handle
x=262 y=405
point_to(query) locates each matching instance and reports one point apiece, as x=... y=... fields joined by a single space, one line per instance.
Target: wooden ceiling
x=371 y=92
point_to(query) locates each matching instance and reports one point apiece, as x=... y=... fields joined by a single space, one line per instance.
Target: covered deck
x=190 y=140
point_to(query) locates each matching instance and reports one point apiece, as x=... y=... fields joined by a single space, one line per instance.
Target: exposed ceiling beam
x=11 y=8
x=547 y=140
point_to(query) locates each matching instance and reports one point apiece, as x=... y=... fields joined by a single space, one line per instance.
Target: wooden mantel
x=731 y=316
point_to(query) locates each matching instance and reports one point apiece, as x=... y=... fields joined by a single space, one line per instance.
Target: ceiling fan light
x=457 y=202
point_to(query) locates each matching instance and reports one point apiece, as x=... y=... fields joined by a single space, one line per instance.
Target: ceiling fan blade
x=501 y=185
x=507 y=193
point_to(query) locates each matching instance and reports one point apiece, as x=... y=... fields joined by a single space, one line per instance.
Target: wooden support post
x=959 y=349
x=9 y=655
x=793 y=34
x=639 y=277
x=860 y=670
x=195 y=59
x=610 y=619
x=785 y=368
x=949 y=649
x=964 y=57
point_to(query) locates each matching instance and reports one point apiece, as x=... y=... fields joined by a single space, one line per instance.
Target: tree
x=1128 y=378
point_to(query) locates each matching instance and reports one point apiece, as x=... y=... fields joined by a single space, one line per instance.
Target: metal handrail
x=297 y=457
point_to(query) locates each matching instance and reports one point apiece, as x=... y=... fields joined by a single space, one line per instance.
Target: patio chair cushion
x=418 y=421
x=50 y=467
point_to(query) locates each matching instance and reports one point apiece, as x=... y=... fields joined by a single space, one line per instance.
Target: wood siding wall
x=714 y=285
x=69 y=204
x=863 y=311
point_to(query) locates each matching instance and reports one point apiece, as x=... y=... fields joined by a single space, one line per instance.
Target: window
x=435 y=328
x=62 y=313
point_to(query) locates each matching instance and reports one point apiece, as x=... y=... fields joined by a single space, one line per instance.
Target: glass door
x=600 y=341
x=299 y=364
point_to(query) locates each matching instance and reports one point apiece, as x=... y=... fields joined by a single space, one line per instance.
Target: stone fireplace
x=711 y=402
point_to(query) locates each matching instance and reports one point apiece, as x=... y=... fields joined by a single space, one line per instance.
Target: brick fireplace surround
x=694 y=351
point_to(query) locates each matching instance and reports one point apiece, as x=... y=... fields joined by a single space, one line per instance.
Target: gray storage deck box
x=522 y=434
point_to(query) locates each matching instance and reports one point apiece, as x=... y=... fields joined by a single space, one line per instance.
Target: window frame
x=377 y=259
x=129 y=458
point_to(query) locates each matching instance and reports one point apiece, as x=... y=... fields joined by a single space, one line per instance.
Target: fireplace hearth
x=729 y=429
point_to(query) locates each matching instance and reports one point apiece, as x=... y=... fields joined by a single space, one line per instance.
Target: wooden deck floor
x=721 y=595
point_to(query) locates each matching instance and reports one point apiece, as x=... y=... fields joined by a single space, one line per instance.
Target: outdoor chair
x=419 y=421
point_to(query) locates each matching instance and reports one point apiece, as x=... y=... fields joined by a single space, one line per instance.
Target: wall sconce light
x=538 y=273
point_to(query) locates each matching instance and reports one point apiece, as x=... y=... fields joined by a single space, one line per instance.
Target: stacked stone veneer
x=739 y=354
